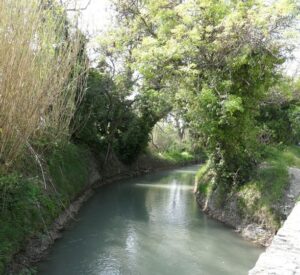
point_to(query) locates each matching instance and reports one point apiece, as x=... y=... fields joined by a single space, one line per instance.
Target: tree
x=109 y=122
x=212 y=60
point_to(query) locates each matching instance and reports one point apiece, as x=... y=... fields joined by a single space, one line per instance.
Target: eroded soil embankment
x=253 y=230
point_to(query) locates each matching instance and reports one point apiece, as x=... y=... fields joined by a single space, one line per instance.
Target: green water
x=150 y=225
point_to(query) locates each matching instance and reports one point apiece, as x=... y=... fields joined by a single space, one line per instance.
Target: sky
x=95 y=18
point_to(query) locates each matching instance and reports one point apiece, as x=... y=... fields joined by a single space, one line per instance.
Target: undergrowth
x=259 y=199
x=68 y=167
x=262 y=196
x=27 y=208
x=203 y=180
x=178 y=157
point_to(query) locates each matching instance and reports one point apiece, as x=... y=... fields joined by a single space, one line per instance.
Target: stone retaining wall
x=282 y=257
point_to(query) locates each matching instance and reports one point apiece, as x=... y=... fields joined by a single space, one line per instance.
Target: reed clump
x=40 y=74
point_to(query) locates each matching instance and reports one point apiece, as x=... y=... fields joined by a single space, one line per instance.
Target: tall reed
x=39 y=74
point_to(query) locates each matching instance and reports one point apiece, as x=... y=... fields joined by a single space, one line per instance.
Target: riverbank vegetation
x=260 y=199
x=31 y=200
x=56 y=112
x=177 y=80
x=41 y=82
x=218 y=65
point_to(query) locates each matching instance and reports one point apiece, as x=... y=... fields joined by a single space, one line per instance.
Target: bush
x=68 y=167
x=132 y=139
x=280 y=123
x=203 y=179
x=111 y=122
x=26 y=208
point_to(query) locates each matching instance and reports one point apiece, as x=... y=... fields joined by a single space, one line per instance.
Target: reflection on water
x=150 y=225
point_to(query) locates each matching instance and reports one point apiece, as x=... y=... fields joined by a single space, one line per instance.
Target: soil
x=250 y=230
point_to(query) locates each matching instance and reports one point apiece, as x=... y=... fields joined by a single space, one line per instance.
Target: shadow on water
x=149 y=225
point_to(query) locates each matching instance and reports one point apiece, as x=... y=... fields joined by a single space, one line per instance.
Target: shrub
x=68 y=167
x=24 y=210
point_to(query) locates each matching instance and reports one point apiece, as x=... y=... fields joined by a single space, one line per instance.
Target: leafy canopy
x=213 y=61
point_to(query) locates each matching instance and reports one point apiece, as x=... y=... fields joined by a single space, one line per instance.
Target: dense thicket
x=107 y=122
x=279 y=114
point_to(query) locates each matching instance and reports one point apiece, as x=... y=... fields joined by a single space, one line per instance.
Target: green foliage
x=177 y=156
x=259 y=198
x=288 y=156
x=203 y=180
x=294 y=120
x=132 y=138
x=209 y=67
x=110 y=121
x=68 y=167
x=279 y=114
x=280 y=123
x=172 y=135
x=97 y=112
x=26 y=208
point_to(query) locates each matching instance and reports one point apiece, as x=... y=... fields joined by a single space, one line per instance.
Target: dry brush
x=40 y=75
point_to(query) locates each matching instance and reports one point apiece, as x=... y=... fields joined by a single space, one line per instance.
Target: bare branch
x=80 y=9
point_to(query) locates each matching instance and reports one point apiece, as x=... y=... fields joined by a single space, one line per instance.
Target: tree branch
x=81 y=9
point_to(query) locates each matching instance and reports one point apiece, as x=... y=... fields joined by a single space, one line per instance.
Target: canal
x=148 y=225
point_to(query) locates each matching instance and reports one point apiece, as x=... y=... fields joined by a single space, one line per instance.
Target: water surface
x=150 y=225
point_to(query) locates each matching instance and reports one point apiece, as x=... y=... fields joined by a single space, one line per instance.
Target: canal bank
x=36 y=246
x=234 y=213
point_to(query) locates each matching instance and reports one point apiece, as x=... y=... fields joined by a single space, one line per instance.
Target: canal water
x=149 y=225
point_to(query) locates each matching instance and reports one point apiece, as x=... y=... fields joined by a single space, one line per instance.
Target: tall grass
x=39 y=74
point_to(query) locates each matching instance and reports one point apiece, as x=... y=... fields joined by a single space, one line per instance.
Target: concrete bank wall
x=282 y=257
